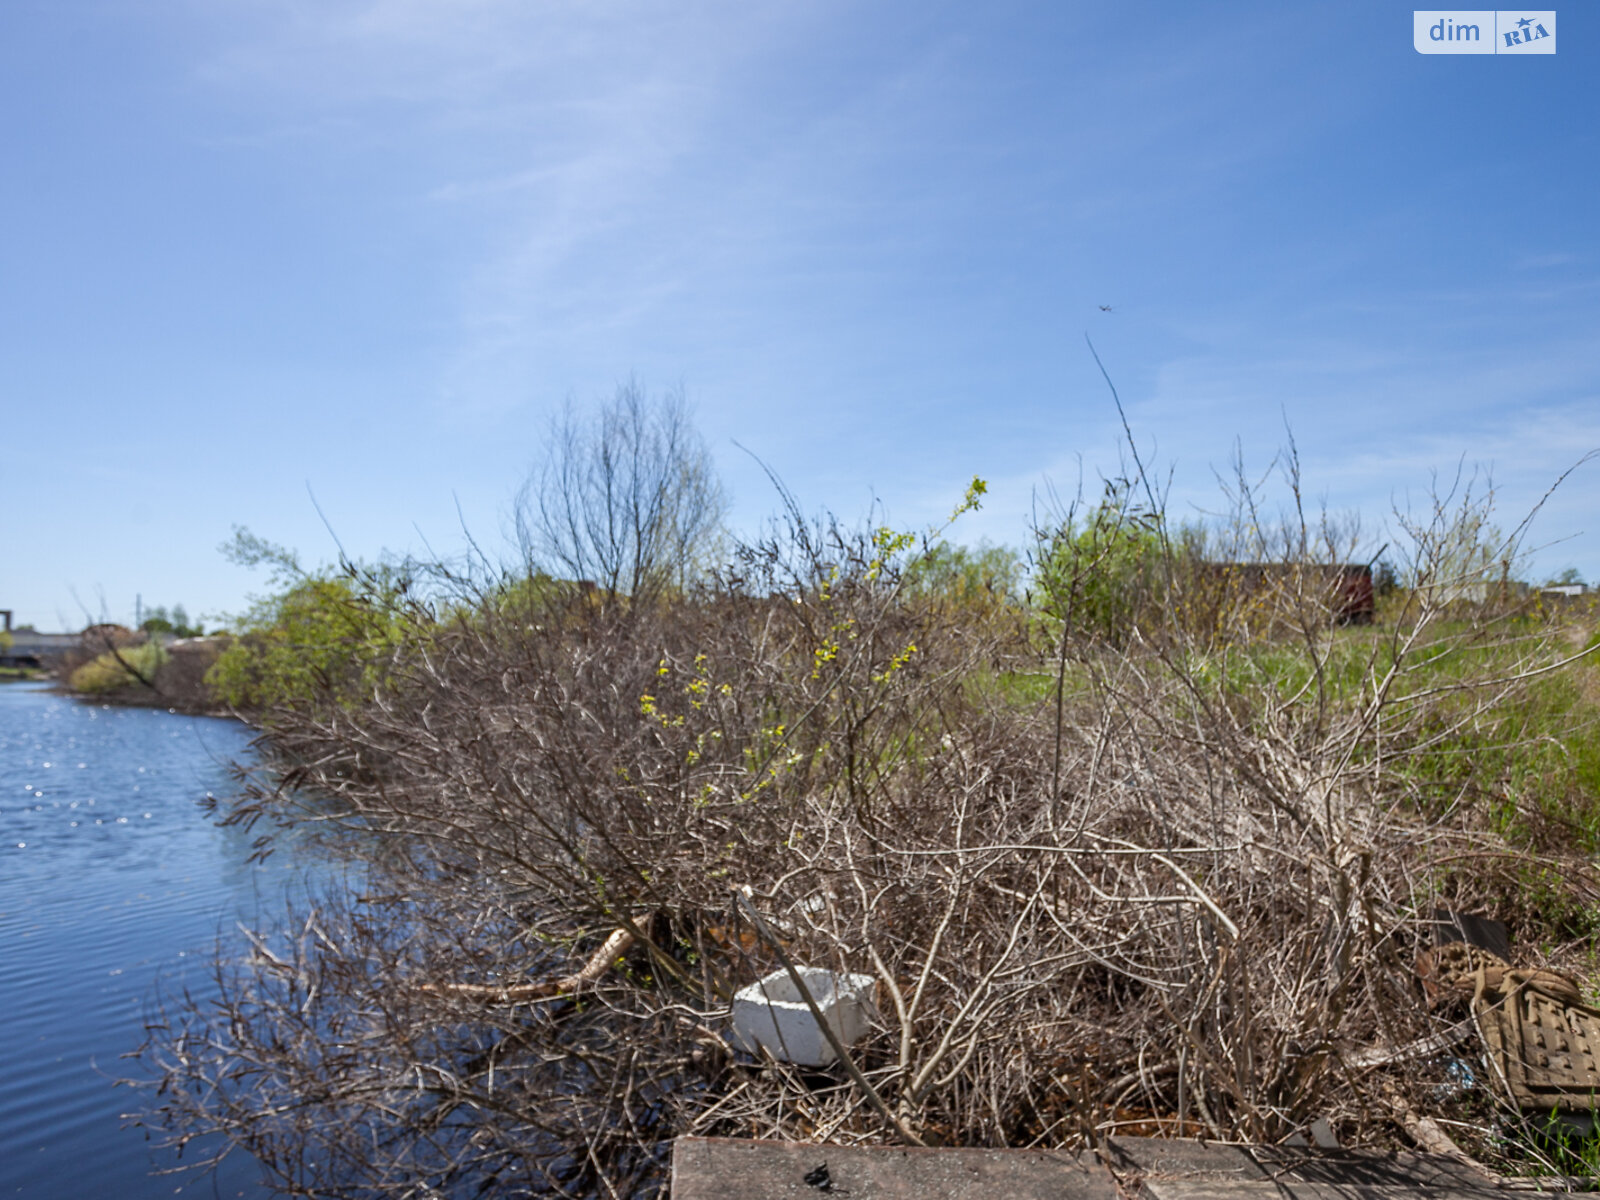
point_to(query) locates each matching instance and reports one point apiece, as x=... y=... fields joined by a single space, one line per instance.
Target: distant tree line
x=174 y=621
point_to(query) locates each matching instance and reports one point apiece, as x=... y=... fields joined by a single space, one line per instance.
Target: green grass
x=1025 y=689
x=1532 y=757
x=1569 y=1149
x=1528 y=761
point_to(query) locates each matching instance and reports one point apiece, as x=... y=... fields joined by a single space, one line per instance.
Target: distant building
x=1565 y=591
x=1346 y=588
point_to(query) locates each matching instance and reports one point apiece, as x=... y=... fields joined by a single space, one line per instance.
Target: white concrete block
x=771 y=1013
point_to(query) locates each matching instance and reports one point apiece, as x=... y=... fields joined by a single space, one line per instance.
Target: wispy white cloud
x=572 y=139
x=652 y=186
x=612 y=159
x=1377 y=419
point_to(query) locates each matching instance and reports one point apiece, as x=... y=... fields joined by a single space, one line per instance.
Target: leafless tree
x=626 y=497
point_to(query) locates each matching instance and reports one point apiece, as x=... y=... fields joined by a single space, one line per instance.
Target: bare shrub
x=1180 y=894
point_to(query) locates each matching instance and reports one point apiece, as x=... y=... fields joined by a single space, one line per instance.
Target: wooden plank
x=1177 y=1158
x=1215 y=1189
x=1157 y=1159
x=740 y=1169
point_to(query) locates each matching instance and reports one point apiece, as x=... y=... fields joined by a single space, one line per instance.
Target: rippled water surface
x=113 y=887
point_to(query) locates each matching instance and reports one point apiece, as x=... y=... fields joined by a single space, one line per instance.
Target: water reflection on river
x=112 y=885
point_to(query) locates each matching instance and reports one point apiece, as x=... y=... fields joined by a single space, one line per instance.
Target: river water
x=113 y=889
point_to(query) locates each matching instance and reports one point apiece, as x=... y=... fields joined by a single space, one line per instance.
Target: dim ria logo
x=1445 y=32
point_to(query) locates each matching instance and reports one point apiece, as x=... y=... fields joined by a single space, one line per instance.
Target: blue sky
x=258 y=247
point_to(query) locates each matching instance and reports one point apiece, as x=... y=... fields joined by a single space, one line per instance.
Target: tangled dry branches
x=1174 y=884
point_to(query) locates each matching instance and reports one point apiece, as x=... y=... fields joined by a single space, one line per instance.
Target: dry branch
x=599 y=963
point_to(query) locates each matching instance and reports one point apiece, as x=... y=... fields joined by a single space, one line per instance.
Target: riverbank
x=134 y=671
x=140 y=696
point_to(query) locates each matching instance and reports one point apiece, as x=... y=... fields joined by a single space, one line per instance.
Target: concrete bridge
x=30 y=648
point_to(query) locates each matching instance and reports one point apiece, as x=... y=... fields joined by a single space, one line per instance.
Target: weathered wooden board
x=1156 y=1159
x=1185 y=1189
x=733 y=1169
x=736 y=1169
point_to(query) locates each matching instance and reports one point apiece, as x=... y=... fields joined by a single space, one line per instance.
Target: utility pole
x=138 y=609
